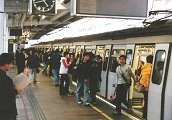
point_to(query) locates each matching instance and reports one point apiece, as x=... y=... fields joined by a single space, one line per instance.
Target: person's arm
x=66 y=65
x=131 y=74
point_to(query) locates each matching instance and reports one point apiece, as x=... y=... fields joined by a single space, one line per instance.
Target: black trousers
x=8 y=118
x=145 y=93
x=64 y=84
x=121 y=96
x=20 y=69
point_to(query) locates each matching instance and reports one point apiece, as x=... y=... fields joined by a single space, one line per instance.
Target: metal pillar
x=2 y=43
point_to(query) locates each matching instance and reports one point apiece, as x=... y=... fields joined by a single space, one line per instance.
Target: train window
x=158 y=69
x=105 y=62
x=93 y=51
x=129 y=53
x=114 y=59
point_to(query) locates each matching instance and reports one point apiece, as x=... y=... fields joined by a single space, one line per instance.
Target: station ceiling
x=35 y=25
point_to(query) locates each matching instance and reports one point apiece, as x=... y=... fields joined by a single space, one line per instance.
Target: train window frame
x=155 y=68
x=129 y=58
x=115 y=57
x=105 y=56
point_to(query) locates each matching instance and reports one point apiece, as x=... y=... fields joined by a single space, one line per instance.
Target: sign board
x=135 y=9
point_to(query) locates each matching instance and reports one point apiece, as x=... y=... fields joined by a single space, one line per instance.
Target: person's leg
x=35 y=74
x=66 y=84
x=124 y=97
x=145 y=93
x=86 y=94
x=62 y=85
x=78 y=92
x=30 y=73
x=54 y=71
x=118 y=98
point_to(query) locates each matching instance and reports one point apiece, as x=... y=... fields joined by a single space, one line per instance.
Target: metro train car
x=136 y=44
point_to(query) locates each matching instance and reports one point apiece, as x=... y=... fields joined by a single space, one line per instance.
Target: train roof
x=155 y=29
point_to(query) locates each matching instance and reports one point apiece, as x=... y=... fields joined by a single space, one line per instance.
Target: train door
x=140 y=54
x=113 y=64
x=158 y=83
x=105 y=57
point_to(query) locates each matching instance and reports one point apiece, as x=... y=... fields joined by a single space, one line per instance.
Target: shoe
x=87 y=104
x=117 y=113
x=79 y=102
x=34 y=81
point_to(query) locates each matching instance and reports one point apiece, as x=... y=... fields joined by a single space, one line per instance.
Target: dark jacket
x=7 y=96
x=33 y=61
x=83 y=70
x=55 y=61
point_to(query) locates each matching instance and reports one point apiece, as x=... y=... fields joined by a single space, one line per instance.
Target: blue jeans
x=56 y=76
x=80 y=87
x=33 y=71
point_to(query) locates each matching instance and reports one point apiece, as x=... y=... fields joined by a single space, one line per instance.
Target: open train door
x=158 y=82
x=104 y=73
x=129 y=60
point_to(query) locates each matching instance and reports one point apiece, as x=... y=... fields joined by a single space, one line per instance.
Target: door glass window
x=105 y=62
x=158 y=69
x=129 y=53
x=114 y=59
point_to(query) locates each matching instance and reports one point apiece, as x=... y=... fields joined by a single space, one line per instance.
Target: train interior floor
x=42 y=101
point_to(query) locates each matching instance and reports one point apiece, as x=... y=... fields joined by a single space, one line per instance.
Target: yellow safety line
x=101 y=112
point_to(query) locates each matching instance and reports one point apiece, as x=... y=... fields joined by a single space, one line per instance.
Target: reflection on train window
x=93 y=51
x=158 y=69
x=114 y=59
x=129 y=53
x=105 y=62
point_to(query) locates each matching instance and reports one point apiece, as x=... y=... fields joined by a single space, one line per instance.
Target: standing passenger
x=144 y=81
x=83 y=70
x=20 y=61
x=8 y=109
x=33 y=64
x=64 y=81
x=122 y=71
x=94 y=79
x=55 y=62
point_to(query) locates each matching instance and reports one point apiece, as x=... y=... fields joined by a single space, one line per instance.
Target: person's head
x=66 y=54
x=160 y=65
x=141 y=63
x=122 y=59
x=86 y=56
x=149 y=59
x=6 y=60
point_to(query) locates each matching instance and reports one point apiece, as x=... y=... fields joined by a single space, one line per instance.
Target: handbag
x=138 y=87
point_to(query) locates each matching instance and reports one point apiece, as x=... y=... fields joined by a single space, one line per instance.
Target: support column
x=2 y=48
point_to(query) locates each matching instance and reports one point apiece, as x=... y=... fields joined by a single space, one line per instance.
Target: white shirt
x=63 y=70
x=126 y=70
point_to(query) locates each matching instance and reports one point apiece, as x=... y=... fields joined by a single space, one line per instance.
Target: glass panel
x=129 y=56
x=158 y=67
x=114 y=59
x=105 y=62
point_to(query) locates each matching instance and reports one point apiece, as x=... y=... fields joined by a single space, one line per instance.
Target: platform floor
x=56 y=107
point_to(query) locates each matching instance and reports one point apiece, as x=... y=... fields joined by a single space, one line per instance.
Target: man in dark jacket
x=55 y=62
x=20 y=61
x=33 y=64
x=8 y=109
x=83 y=80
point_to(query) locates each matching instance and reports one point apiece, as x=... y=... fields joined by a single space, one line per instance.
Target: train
x=136 y=44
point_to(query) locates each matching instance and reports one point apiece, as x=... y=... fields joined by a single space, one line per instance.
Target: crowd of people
x=65 y=68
